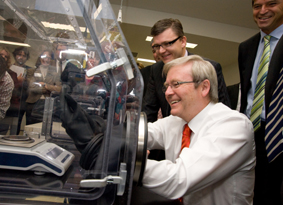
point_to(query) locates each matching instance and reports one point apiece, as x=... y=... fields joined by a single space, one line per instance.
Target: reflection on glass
x=53 y=96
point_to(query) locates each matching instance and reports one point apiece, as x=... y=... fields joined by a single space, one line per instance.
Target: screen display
x=54 y=153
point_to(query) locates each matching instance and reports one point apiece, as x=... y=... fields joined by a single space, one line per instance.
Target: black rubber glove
x=81 y=127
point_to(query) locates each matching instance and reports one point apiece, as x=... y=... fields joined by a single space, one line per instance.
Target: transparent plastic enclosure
x=69 y=128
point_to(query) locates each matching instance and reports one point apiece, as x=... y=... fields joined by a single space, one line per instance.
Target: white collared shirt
x=58 y=65
x=217 y=168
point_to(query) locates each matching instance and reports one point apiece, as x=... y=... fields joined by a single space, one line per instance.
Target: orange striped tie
x=186 y=137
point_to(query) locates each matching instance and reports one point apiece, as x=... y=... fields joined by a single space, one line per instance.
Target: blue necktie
x=274 y=122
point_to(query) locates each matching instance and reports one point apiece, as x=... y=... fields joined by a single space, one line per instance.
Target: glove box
x=74 y=127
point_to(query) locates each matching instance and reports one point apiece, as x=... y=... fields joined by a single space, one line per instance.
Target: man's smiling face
x=268 y=14
x=185 y=99
x=176 y=50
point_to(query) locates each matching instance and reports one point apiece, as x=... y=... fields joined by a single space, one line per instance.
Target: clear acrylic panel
x=77 y=96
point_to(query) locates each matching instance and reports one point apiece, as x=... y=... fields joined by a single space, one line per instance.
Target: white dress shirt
x=62 y=64
x=217 y=168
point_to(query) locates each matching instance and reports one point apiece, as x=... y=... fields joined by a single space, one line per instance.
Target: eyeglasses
x=175 y=85
x=164 y=45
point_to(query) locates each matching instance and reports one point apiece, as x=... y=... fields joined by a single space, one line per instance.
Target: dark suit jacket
x=155 y=98
x=145 y=75
x=233 y=92
x=246 y=58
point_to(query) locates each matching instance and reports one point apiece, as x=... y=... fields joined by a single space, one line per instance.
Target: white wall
x=194 y=26
x=231 y=74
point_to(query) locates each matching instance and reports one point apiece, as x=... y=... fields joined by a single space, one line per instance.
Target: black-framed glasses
x=164 y=45
x=175 y=85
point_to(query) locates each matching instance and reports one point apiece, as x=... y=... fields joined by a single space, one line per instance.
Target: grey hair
x=201 y=70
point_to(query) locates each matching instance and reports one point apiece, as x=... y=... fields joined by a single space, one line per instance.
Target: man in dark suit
x=147 y=70
x=268 y=15
x=169 y=43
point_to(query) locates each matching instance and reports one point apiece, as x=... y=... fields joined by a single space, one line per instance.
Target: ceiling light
x=146 y=60
x=14 y=43
x=97 y=12
x=191 y=45
x=188 y=45
x=60 y=26
x=73 y=51
x=148 y=38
